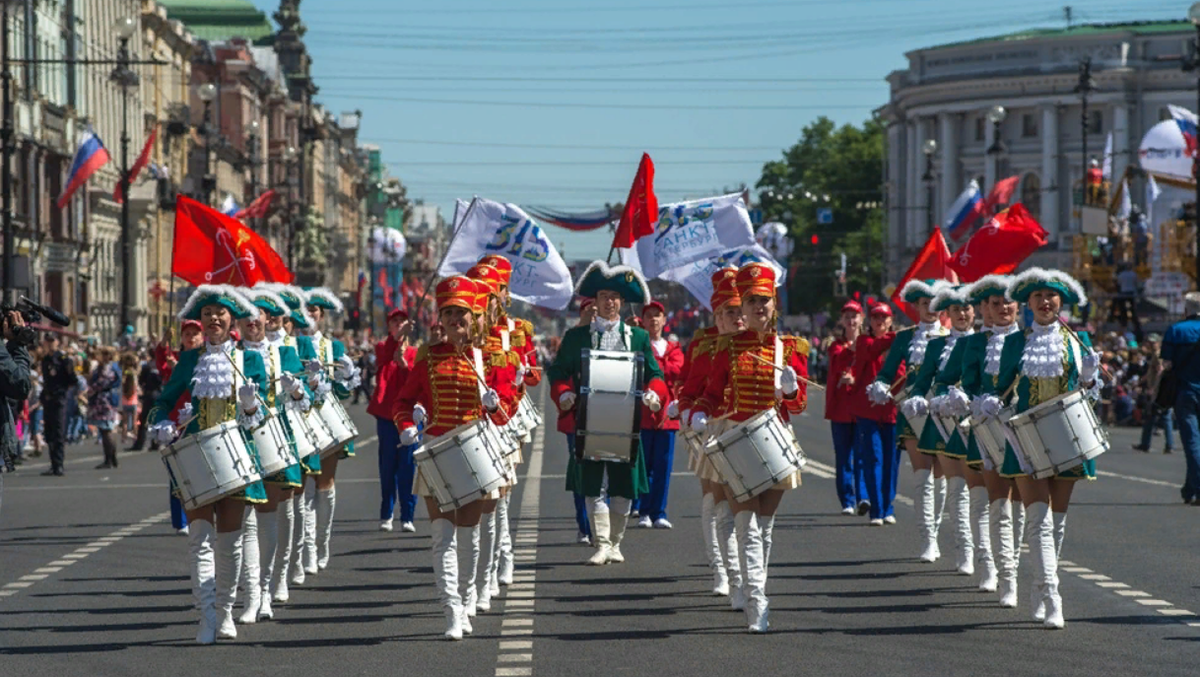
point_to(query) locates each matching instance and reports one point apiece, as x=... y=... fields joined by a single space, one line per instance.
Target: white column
x=952 y=185
x=1120 y=132
x=912 y=184
x=989 y=161
x=1050 y=178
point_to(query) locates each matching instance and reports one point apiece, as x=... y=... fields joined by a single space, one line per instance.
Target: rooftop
x=216 y=20
x=1081 y=30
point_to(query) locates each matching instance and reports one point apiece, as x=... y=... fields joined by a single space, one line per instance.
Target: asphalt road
x=94 y=582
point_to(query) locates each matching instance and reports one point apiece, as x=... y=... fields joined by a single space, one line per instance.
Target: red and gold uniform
x=519 y=332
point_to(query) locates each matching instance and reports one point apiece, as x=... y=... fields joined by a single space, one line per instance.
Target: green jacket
x=180 y=384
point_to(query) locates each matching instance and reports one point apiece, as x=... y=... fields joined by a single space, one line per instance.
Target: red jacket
x=740 y=386
x=389 y=376
x=837 y=397
x=444 y=382
x=869 y=354
x=671 y=363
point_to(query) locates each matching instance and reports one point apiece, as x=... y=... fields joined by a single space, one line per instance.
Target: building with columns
x=946 y=92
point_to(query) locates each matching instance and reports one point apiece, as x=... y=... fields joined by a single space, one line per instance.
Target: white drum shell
x=947 y=427
x=611 y=397
x=755 y=455
x=462 y=465
x=1059 y=434
x=271 y=443
x=991 y=435
x=210 y=465
x=302 y=433
x=337 y=422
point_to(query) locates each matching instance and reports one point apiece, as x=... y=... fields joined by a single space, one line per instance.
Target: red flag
x=258 y=208
x=933 y=262
x=641 y=207
x=143 y=159
x=1000 y=246
x=212 y=248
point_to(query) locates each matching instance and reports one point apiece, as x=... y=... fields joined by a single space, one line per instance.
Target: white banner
x=692 y=231
x=1164 y=151
x=539 y=275
x=697 y=275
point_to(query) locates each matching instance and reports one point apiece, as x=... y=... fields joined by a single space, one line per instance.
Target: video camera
x=32 y=313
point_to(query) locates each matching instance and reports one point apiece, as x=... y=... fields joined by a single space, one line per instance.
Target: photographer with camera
x=14 y=385
x=58 y=375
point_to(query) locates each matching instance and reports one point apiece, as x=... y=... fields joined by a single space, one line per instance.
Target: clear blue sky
x=551 y=102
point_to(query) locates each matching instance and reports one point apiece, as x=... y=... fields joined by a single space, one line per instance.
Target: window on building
x=980 y=128
x=1031 y=194
x=1029 y=125
x=1095 y=122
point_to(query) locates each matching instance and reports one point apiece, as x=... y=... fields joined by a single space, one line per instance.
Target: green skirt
x=311 y=464
x=974 y=453
x=931 y=441
x=348 y=450
x=626 y=480
x=956 y=448
x=291 y=476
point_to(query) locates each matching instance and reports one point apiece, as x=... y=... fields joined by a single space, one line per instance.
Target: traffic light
x=816 y=240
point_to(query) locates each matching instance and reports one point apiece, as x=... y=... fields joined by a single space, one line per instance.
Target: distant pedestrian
x=1179 y=356
x=104 y=398
x=58 y=374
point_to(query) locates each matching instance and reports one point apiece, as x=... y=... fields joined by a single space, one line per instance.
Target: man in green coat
x=620 y=482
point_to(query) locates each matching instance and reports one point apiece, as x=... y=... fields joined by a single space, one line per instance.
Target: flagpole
x=429 y=283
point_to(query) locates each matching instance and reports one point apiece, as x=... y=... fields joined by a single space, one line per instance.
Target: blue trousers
x=396 y=472
x=875 y=444
x=178 y=516
x=1158 y=416
x=659 y=448
x=581 y=516
x=850 y=483
x=1187 y=416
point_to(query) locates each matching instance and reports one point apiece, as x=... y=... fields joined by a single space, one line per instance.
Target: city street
x=93 y=581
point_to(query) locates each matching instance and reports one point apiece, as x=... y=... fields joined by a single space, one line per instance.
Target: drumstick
x=239 y=373
x=778 y=368
x=484 y=383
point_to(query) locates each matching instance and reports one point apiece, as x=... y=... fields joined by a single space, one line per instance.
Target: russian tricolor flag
x=90 y=157
x=964 y=211
x=230 y=207
x=1187 y=122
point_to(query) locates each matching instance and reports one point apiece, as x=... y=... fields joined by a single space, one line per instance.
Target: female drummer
x=980 y=364
x=716 y=517
x=944 y=362
x=219 y=390
x=908 y=351
x=285 y=375
x=325 y=361
x=874 y=425
x=442 y=392
x=742 y=383
x=1039 y=364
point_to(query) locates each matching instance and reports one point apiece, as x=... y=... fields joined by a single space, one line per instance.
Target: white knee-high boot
x=767 y=525
x=981 y=522
x=708 y=530
x=204 y=582
x=728 y=552
x=1018 y=529
x=926 y=515
x=750 y=538
x=310 y=528
x=251 y=592
x=1045 y=563
x=959 y=501
x=283 y=555
x=326 y=503
x=482 y=596
x=941 y=488
x=268 y=541
x=1030 y=537
x=468 y=566
x=300 y=504
x=504 y=570
x=1006 y=547
x=598 y=511
x=445 y=573
x=229 y=567
x=618 y=519
x=1060 y=532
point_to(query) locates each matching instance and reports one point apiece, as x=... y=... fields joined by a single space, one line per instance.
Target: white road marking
x=1134 y=478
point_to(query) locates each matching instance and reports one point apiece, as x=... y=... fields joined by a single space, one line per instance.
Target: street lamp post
x=1191 y=62
x=290 y=154
x=252 y=157
x=1086 y=86
x=6 y=139
x=929 y=149
x=207 y=93
x=126 y=79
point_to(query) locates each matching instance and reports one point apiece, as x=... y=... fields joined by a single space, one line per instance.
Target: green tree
x=837 y=168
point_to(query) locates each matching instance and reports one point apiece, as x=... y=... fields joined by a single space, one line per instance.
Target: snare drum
x=947 y=427
x=210 y=465
x=1058 y=435
x=755 y=455
x=991 y=434
x=322 y=436
x=462 y=465
x=271 y=442
x=302 y=433
x=530 y=412
x=608 y=417
x=337 y=422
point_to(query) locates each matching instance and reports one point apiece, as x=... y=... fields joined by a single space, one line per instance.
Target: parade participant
x=908 y=352
x=658 y=430
x=942 y=362
x=619 y=483
x=285 y=391
x=849 y=482
x=326 y=362
x=222 y=383
x=980 y=365
x=752 y=371
x=393 y=362
x=716 y=516
x=443 y=393
x=875 y=447
x=1039 y=364
x=566 y=426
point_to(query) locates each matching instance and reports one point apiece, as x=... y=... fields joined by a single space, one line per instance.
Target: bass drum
x=210 y=465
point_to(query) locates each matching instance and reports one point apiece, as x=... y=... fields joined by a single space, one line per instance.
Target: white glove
x=673 y=410
x=313 y=368
x=521 y=371
x=291 y=384
x=566 y=401
x=248 y=396
x=163 y=433
x=1089 y=366
x=418 y=414
x=937 y=406
x=914 y=407
x=878 y=393
x=957 y=402
x=491 y=400
x=987 y=406
x=699 y=422
x=650 y=399
x=185 y=412
x=685 y=417
x=408 y=437
x=789 y=381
